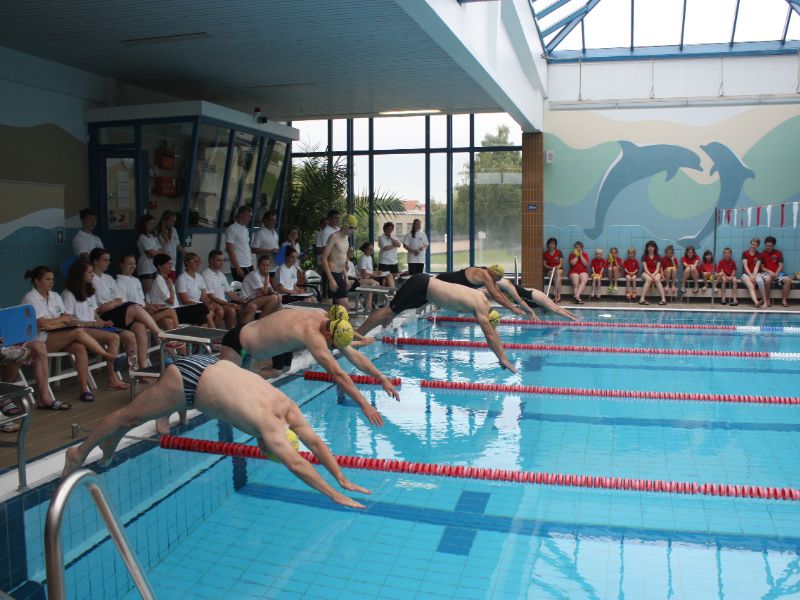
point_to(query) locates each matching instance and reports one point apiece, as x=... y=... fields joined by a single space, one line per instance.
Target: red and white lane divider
x=172 y=442
x=596 y=349
x=363 y=379
x=620 y=325
x=568 y=391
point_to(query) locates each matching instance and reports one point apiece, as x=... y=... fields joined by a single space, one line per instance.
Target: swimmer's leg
x=163 y=398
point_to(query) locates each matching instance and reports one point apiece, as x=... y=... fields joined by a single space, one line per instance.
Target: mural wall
x=622 y=177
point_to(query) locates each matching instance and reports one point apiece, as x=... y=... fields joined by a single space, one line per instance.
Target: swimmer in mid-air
x=482 y=277
x=296 y=329
x=226 y=392
x=528 y=298
x=422 y=288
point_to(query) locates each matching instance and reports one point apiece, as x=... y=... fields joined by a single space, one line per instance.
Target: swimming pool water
x=210 y=527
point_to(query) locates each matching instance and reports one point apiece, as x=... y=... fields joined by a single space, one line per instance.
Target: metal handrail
x=53 y=551
x=24 y=393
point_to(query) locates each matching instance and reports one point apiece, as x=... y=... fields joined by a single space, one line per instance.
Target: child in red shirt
x=772 y=266
x=554 y=265
x=669 y=267
x=578 y=275
x=631 y=267
x=615 y=269
x=707 y=271
x=651 y=272
x=691 y=268
x=726 y=272
x=751 y=278
x=598 y=267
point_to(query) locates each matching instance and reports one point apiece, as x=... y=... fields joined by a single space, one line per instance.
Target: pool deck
x=50 y=431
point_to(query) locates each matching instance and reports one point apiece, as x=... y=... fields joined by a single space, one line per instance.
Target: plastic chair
x=18 y=324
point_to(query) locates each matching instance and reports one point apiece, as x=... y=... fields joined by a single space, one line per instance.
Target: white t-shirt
x=239 y=236
x=388 y=257
x=50 y=308
x=194 y=286
x=130 y=289
x=217 y=284
x=287 y=276
x=296 y=245
x=83 y=311
x=416 y=243
x=326 y=233
x=268 y=240
x=170 y=246
x=252 y=284
x=159 y=293
x=144 y=265
x=365 y=265
x=85 y=242
x=105 y=288
x=351 y=270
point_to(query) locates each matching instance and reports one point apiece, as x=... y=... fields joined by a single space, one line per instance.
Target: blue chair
x=17 y=324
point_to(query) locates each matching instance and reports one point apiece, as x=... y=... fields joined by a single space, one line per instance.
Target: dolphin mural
x=634 y=164
x=732 y=175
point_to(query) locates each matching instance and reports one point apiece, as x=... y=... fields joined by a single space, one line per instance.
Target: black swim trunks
x=191 y=368
x=342 y=285
x=412 y=295
x=232 y=341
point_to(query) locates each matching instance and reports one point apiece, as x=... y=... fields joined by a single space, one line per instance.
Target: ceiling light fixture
x=178 y=37
x=418 y=111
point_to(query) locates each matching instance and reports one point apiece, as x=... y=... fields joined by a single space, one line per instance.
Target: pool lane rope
x=363 y=379
x=595 y=349
x=172 y=442
x=599 y=324
x=543 y=390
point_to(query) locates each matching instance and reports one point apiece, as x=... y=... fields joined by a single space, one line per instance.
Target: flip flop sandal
x=87 y=397
x=10 y=428
x=644 y=302
x=120 y=386
x=56 y=405
x=662 y=303
x=734 y=304
x=10 y=409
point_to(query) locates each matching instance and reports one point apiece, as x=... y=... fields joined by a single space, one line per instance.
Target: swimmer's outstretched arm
x=498 y=295
x=273 y=440
x=494 y=341
x=319 y=350
x=542 y=300
x=363 y=364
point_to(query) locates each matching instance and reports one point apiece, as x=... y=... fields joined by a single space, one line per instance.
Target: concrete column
x=532 y=209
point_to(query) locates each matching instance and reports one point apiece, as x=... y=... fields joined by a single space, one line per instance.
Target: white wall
x=675 y=81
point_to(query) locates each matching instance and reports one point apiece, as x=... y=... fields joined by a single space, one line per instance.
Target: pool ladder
x=54 y=557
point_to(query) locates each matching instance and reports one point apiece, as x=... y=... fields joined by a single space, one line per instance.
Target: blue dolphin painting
x=634 y=164
x=732 y=175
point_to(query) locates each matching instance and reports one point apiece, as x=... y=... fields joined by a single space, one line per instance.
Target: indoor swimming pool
x=207 y=526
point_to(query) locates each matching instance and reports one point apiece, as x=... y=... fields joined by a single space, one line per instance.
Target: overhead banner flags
x=743 y=217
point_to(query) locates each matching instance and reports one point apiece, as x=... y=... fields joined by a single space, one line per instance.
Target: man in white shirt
x=85 y=241
x=221 y=293
x=237 y=243
x=265 y=241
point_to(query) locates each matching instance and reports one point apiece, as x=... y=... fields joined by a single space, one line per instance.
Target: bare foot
x=72 y=462
x=108 y=453
x=162 y=425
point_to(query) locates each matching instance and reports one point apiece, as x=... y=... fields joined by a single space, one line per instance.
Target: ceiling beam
x=554 y=6
x=683 y=24
x=568 y=27
x=632 y=8
x=668 y=52
x=786 y=26
x=735 y=19
x=565 y=21
x=795 y=5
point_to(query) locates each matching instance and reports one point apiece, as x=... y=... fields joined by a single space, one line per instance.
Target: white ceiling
x=296 y=59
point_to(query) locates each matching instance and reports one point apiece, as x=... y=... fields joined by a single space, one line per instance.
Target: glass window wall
x=166 y=149
x=498 y=198
x=438 y=210
x=205 y=198
x=242 y=175
x=461 y=230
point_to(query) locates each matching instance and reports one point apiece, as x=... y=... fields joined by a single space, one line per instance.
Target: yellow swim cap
x=337 y=311
x=292 y=438
x=494 y=318
x=351 y=221
x=497 y=270
x=341 y=333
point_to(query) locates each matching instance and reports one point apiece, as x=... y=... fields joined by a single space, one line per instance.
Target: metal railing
x=21 y=394
x=53 y=551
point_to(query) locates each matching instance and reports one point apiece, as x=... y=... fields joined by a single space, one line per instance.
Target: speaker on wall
x=549 y=156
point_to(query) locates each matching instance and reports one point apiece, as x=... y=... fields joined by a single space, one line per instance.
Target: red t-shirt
x=706 y=267
x=650 y=264
x=578 y=267
x=669 y=262
x=771 y=260
x=551 y=260
x=750 y=260
x=598 y=266
x=689 y=262
x=631 y=265
x=614 y=260
x=727 y=266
